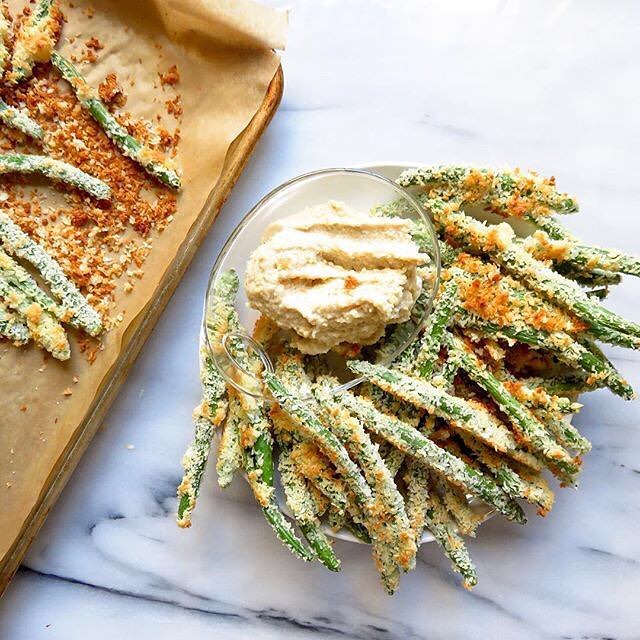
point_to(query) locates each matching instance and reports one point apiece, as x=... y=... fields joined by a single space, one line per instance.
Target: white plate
x=390 y=170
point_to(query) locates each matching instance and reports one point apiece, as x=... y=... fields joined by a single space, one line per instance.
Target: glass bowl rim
x=260 y=205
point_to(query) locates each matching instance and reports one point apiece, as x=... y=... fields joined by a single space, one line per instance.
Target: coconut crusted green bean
x=563 y=431
x=413 y=443
x=588 y=278
x=303 y=507
x=35 y=40
x=254 y=429
x=20 y=120
x=257 y=447
x=528 y=426
x=450 y=368
x=18 y=243
x=220 y=310
x=358 y=530
x=321 y=475
x=318 y=471
x=583 y=270
x=43 y=327
x=416 y=480
x=229 y=459
x=537 y=492
x=150 y=160
x=207 y=417
x=55 y=170
x=437 y=324
x=456 y=503
x=510 y=193
x=565 y=385
x=320 y=501
x=11 y=327
x=302 y=417
x=310 y=461
x=218 y=316
x=443 y=530
x=247 y=425
x=559 y=343
x=388 y=404
x=21 y=279
x=426 y=509
x=534 y=396
x=565 y=249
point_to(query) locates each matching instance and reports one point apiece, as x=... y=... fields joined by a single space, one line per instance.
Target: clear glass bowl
x=361 y=190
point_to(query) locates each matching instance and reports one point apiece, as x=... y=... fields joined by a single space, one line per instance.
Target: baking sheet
x=223 y=53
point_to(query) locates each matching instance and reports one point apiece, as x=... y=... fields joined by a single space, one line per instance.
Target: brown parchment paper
x=223 y=51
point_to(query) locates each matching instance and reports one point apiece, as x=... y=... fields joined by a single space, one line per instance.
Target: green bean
x=127 y=144
x=43 y=327
x=564 y=385
x=303 y=507
x=512 y=483
x=498 y=241
x=588 y=277
x=18 y=243
x=55 y=170
x=511 y=193
x=458 y=507
x=566 y=249
x=444 y=532
x=230 y=450
x=435 y=328
x=416 y=480
x=19 y=119
x=207 y=417
x=35 y=40
x=563 y=431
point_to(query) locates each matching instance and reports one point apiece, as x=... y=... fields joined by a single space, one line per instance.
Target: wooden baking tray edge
x=236 y=159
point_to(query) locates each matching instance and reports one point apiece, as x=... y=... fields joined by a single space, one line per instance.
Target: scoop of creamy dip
x=332 y=275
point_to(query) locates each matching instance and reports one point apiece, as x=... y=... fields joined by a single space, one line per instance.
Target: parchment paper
x=223 y=51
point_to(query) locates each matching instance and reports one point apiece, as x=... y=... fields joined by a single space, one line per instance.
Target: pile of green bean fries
x=26 y=311
x=476 y=410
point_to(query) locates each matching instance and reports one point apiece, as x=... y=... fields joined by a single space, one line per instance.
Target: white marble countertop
x=550 y=85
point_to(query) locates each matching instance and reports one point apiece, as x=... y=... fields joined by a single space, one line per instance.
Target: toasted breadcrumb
x=170 y=77
x=94 y=43
x=111 y=92
x=174 y=106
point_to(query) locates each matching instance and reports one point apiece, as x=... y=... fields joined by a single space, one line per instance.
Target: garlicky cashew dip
x=333 y=275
